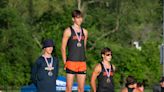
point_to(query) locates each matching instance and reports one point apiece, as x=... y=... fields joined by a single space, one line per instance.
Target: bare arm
x=95 y=73
x=66 y=35
x=86 y=37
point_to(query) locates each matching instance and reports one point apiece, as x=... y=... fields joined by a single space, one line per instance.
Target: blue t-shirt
x=40 y=77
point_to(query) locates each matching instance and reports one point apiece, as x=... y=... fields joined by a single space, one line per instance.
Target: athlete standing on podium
x=75 y=39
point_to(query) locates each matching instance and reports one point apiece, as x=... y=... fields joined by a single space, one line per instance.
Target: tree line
x=110 y=23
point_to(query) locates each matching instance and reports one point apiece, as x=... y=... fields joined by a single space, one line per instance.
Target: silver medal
x=78 y=44
x=108 y=73
x=108 y=80
x=79 y=37
x=50 y=73
x=49 y=67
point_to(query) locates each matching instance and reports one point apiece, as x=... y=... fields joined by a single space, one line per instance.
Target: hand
x=64 y=65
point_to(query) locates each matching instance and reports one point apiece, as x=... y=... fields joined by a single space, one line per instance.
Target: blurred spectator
x=140 y=86
x=160 y=86
x=131 y=85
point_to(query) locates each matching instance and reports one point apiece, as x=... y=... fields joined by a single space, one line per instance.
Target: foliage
x=110 y=23
x=17 y=49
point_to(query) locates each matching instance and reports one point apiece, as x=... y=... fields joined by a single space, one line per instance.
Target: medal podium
x=60 y=86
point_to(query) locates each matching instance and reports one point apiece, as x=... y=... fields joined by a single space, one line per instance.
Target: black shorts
x=73 y=72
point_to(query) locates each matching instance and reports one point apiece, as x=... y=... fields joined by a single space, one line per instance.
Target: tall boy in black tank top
x=75 y=39
x=103 y=71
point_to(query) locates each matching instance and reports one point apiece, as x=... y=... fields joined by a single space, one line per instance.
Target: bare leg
x=81 y=82
x=69 y=82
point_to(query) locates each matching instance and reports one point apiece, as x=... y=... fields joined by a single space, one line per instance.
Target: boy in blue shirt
x=45 y=70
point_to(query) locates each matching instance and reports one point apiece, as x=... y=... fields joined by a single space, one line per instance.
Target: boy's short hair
x=106 y=49
x=77 y=13
x=130 y=80
x=162 y=79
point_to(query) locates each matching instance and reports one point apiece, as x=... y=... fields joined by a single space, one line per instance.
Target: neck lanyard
x=78 y=37
x=49 y=65
x=108 y=73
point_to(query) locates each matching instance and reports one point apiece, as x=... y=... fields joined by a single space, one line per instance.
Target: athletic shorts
x=74 y=67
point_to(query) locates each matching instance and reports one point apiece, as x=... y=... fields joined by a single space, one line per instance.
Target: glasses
x=108 y=54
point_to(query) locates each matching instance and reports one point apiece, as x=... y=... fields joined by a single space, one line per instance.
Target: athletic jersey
x=76 y=53
x=103 y=85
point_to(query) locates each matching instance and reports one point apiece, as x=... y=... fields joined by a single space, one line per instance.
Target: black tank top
x=75 y=53
x=103 y=85
x=162 y=89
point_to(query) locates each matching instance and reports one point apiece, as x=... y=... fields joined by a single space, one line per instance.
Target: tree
x=17 y=49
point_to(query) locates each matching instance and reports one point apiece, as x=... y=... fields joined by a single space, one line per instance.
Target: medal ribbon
x=108 y=73
x=48 y=65
x=78 y=37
